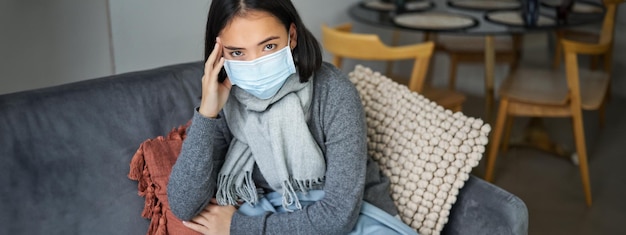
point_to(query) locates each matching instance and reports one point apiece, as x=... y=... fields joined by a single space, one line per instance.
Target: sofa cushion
x=65 y=150
x=426 y=151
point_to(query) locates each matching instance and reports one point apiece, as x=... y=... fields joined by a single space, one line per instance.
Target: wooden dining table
x=481 y=18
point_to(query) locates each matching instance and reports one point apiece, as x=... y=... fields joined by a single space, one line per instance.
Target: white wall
x=153 y=33
x=44 y=43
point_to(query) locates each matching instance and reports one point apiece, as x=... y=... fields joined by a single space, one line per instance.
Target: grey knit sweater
x=338 y=126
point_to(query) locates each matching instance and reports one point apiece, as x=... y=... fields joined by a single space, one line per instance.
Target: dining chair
x=343 y=43
x=608 y=24
x=550 y=93
x=471 y=49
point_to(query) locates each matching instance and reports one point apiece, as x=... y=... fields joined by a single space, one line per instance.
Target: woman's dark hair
x=307 y=54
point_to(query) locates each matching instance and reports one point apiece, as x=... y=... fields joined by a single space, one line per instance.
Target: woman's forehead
x=251 y=27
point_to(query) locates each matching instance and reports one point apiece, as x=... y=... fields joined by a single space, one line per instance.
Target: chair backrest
x=608 y=28
x=344 y=44
x=608 y=23
x=572 y=49
x=603 y=47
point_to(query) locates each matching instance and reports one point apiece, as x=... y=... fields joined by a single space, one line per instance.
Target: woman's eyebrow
x=268 y=39
x=232 y=48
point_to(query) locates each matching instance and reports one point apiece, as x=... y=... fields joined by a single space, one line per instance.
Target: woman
x=274 y=124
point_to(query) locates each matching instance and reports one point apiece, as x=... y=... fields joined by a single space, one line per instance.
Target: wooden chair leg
x=608 y=66
x=452 y=75
x=389 y=69
x=595 y=60
x=581 y=149
x=457 y=108
x=395 y=37
x=507 y=134
x=607 y=59
x=496 y=136
x=338 y=61
x=558 y=50
x=429 y=36
x=518 y=40
x=517 y=55
x=602 y=111
x=513 y=66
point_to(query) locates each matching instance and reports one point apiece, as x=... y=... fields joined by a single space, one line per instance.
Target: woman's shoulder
x=332 y=86
x=328 y=69
x=330 y=77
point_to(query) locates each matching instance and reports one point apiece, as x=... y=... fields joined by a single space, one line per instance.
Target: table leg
x=430 y=37
x=395 y=38
x=490 y=62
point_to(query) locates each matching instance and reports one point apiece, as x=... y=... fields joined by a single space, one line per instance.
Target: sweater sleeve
x=193 y=179
x=342 y=123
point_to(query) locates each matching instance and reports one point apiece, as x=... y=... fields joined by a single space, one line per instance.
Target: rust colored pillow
x=150 y=167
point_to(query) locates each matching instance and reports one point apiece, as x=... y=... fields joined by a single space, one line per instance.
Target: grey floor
x=550 y=185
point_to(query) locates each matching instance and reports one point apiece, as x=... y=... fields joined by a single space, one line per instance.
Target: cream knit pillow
x=426 y=151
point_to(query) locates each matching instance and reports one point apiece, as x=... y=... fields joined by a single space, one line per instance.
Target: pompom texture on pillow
x=426 y=151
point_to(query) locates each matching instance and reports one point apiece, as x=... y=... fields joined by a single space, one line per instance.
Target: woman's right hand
x=214 y=93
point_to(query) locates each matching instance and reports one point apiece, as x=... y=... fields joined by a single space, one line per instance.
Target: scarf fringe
x=290 y=197
x=225 y=195
x=289 y=192
x=229 y=194
x=306 y=185
x=247 y=191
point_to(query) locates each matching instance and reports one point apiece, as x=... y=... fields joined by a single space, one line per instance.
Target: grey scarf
x=272 y=133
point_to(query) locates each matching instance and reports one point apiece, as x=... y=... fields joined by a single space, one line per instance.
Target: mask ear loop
x=295 y=58
x=289 y=38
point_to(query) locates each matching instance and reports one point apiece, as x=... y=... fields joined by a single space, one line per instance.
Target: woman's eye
x=270 y=47
x=236 y=53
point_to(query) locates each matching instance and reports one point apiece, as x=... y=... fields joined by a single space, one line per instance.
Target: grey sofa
x=65 y=154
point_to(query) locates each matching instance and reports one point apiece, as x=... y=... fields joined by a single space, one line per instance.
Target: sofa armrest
x=483 y=208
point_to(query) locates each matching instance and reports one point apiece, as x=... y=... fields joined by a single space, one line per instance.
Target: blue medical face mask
x=264 y=76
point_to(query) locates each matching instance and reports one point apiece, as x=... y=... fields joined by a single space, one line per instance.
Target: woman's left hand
x=213 y=220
